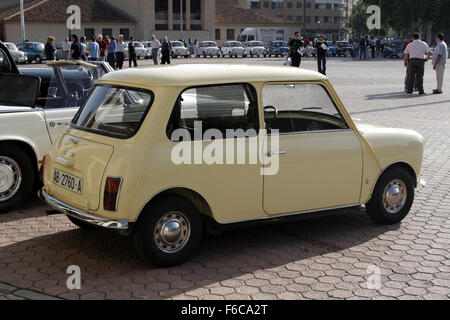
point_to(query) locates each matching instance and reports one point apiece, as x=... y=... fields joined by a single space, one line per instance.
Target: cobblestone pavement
x=325 y=258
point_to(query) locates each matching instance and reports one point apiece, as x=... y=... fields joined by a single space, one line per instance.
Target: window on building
x=308 y=5
x=176 y=10
x=196 y=27
x=218 y=34
x=196 y=10
x=255 y=5
x=277 y=4
x=161 y=11
x=161 y=26
x=299 y=5
x=325 y=19
x=125 y=33
x=308 y=19
x=328 y=6
x=289 y=5
x=107 y=32
x=266 y=4
x=230 y=34
x=89 y=33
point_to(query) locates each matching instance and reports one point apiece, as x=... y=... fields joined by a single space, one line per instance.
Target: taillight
x=41 y=171
x=111 y=196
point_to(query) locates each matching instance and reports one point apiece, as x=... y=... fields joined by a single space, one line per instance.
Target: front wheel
x=17 y=177
x=168 y=233
x=392 y=198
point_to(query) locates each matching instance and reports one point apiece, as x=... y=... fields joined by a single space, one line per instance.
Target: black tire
x=81 y=224
x=145 y=230
x=376 y=208
x=27 y=171
x=37 y=60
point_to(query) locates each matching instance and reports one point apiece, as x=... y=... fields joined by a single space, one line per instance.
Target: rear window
x=114 y=111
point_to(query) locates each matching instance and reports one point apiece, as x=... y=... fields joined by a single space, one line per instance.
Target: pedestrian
x=196 y=48
x=321 y=55
x=94 y=50
x=120 y=52
x=84 y=51
x=50 y=49
x=66 y=49
x=382 y=44
x=103 y=47
x=75 y=48
x=439 y=61
x=362 y=49
x=190 y=46
x=295 y=47
x=132 y=53
x=407 y=69
x=418 y=53
x=111 y=57
x=373 y=46
x=166 y=47
x=156 y=45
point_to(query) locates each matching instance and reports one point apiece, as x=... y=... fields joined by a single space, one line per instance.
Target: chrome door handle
x=271 y=154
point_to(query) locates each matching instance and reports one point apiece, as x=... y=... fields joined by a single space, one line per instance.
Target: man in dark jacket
x=166 y=48
x=132 y=53
x=295 y=47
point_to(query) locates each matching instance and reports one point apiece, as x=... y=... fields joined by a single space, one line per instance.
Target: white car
x=179 y=50
x=141 y=50
x=209 y=48
x=18 y=56
x=233 y=49
x=255 y=48
x=32 y=120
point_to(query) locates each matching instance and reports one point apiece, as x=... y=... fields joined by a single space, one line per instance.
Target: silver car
x=18 y=56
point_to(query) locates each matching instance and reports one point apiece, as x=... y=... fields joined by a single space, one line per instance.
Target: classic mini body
x=165 y=154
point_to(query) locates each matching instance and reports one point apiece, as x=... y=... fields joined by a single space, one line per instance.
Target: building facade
x=330 y=17
x=140 y=18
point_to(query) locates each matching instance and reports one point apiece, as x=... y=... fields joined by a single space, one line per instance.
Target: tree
x=358 y=19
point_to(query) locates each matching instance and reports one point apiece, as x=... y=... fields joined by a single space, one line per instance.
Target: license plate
x=68 y=181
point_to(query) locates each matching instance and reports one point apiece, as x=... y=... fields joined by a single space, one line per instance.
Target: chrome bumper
x=81 y=215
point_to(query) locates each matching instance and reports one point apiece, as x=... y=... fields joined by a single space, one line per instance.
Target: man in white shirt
x=439 y=61
x=66 y=49
x=156 y=44
x=417 y=53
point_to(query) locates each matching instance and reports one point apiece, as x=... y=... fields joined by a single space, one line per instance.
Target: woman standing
x=196 y=48
x=50 y=49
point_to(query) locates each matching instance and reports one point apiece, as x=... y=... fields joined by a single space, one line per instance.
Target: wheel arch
x=29 y=149
x=194 y=197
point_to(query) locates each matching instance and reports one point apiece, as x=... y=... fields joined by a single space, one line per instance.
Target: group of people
x=297 y=51
x=416 y=53
x=368 y=47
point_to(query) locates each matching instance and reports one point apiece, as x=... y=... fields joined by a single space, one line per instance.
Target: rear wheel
x=37 y=59
x=392 y=198
x=168 y=233
x=17 y=177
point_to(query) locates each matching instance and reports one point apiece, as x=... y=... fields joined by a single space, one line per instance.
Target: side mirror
x=19 y=90
x=270 y=115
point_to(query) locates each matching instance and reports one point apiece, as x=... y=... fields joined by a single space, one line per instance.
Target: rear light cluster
x=111 y=196
x=41 y=171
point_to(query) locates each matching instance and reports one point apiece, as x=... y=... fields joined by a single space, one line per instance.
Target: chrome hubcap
x=10 y=178
x=394 y=196
x=172 y=232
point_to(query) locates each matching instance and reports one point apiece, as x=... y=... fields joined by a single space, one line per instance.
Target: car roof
x=206 y=74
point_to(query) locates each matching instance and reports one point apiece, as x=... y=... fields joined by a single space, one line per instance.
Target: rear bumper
x=81 y=215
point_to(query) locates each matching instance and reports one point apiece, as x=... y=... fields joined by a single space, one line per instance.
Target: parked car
x=209 y=48
x=232 y=49
x=394 y=49
x=34 y=51
x=343 y=48
x=141 y=50
x=179 y=50
x=313 y=156
x=18 y=56
x=255 y=48
x=278 y=48
x=331 y=49
x=27 y=130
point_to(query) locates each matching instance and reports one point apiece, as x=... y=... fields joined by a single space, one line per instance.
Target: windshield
x=209 y=44
x=397 y=44
x=177 y=44
x=114 y=111
x=279 y=44
x=343 y=44
x=256 y=44
x=38 y=46
x=11 y=46
x=235 y=44
x=138 y=45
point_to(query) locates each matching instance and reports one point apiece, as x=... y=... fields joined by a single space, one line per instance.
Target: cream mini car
x=162 y=154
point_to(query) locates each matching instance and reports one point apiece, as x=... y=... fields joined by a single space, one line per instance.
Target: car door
x=70 y=85
x=319 y=156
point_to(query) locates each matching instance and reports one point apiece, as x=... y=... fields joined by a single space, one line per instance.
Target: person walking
x=440 y=61
x=132 y=53
x=75 y=48
x=50 y=49
x=94 y=50
x=66 y=49
x=156 y=45
x=418 y=53
x=295 y=47
x=166 y=47
x=321 y=55
x=103 y=47
x=120 y=52
x=111 y=58
x=362 y=49
x=190 y=46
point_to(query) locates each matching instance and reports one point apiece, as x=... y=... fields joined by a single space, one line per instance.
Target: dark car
x=342 y=47
x=34 y=51
x=394 y=49
x=278 y=48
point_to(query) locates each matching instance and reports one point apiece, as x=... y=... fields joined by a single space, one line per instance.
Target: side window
x=5 y=67
x=217 y=108
x=301 y=108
